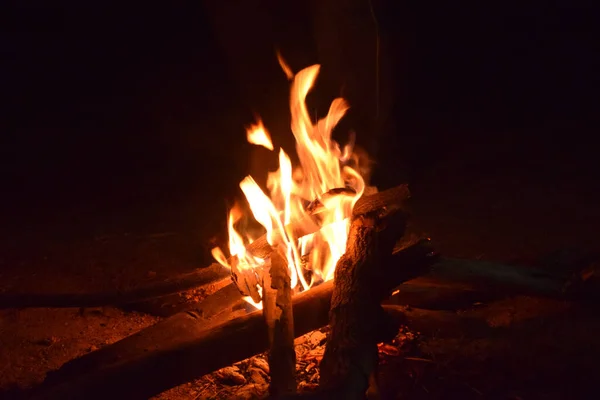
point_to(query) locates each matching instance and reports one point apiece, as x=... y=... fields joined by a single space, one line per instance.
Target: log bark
x=388 y=198
x=440 y=324
x=184 y=347
x=278 y=313
x=356 y=319
x=498 y=279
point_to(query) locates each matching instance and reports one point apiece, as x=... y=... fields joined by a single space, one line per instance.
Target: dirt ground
x=527 y=208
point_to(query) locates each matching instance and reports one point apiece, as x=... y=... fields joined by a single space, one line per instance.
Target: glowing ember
x=293 y=193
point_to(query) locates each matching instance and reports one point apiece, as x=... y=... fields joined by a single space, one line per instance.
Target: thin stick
x=278 y=313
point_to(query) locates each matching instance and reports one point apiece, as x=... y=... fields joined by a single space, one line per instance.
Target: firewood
x=439 y=323
x=372 y=202
x=183 y=347
x=356 y=319
x=278 y=313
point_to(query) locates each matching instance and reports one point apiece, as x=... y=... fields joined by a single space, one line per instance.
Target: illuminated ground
x=476 y=199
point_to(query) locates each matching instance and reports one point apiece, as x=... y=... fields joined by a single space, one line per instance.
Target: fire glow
x=305 y=195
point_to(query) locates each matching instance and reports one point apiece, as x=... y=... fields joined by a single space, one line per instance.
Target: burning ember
x=306 y=214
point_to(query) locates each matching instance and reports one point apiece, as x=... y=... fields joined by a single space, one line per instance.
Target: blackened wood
x=439 y=323
x=185 y=346
x=498 y=279
x=248 y=280
x=388 y=198
x=278 y=313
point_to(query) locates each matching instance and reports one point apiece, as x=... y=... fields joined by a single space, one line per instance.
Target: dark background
x=132 y=107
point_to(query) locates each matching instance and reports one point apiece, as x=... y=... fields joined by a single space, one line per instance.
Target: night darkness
x=125 y=103
x=129 y=119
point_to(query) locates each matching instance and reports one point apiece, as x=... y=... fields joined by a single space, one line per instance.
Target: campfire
x=306 y=220
x=306 y=216
x=318 y=246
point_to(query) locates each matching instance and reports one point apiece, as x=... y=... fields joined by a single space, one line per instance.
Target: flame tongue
x=293 y=194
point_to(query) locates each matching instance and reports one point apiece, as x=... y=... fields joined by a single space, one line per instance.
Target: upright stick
x=278 y=313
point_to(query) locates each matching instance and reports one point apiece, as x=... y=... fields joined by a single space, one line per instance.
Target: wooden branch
x=356 y=317
x=436 y=297
x=388 y=198
x=184 y=346
x=439 y=323
x=278 y=313
x=497 y=279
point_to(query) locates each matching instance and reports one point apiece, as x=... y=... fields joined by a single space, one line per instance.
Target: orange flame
x=258 y=135
x=311 y=258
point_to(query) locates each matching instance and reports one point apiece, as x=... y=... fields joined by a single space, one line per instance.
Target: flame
x=301 y=198
x=284 y=66
x=258 y=135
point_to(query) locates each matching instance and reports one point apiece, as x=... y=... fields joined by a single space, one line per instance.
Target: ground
x=476 y=200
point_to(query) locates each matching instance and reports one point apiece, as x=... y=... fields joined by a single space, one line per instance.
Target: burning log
x=184 y=347
x=247 y=280
x=500 y=279
x=377 y=201
x=356 y=318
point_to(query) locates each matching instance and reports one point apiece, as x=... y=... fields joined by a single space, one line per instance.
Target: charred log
x=278 y=313
x=357 y=320
x=501 y=280
x=376 y=201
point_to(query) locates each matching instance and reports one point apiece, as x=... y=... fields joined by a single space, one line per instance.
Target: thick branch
x=393 y=197
x=356 y=318
x=278 y=312
x=497 y=279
